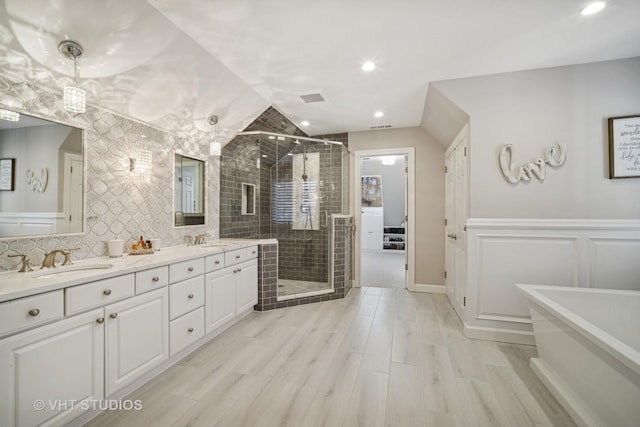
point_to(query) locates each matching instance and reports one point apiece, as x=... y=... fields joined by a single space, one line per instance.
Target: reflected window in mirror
x=189 y=191
x=48 y=192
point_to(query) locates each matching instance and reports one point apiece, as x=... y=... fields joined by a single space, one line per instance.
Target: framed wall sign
x=624 y=147
x=7 y=174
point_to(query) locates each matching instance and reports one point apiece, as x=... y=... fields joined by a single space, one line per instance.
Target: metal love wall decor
x=38 y=184
x=552 y=156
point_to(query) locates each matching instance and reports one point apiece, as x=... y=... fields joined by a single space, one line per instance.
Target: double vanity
x=76 y=335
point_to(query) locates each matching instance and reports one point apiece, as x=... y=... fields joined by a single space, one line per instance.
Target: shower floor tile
x=292 y=287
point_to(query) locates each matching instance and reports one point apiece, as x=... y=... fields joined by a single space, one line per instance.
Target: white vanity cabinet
x=99 y=339
x=232 y=290
x=137 y=337
x=53 y=365
x=220 y=294
x=246 y=286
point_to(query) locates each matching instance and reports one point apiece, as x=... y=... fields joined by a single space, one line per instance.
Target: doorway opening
x=385 y=239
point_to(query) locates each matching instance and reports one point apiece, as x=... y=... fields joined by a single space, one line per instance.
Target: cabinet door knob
x=34 y=312
x=155 y=279
x=235 y=271
x=190 y=269
x=217 y=261
x=113 y=315
x=190 y=330
x=100 y=320
x=190 y=296
x=107 y=292
x=239 y=270
x=253 y=252
x=237 y=256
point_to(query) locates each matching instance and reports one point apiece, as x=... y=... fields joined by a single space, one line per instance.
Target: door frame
x=411 y=203
x=66 y=191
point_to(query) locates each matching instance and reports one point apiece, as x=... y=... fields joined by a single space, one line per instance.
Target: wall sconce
x=215 y=149
x=74 y=99
x=10 y=116
x=140 y=165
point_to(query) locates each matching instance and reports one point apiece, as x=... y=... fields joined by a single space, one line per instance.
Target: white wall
x=392 y=187
x=33 y=148
x=535 y=109
x=429 y=195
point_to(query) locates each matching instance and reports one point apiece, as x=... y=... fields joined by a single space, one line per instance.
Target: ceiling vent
x=380 y=127
x=310 y=98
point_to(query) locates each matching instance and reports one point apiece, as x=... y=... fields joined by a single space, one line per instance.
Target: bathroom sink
x=68 y=269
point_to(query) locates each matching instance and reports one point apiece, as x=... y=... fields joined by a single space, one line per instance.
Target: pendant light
x=74 y=99
x=215 y=149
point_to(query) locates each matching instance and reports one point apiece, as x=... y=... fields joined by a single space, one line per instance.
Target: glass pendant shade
x=75 y=100
x=215 y=149
x=10 y=116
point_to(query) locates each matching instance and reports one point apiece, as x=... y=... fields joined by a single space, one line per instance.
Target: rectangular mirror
x=47 y=192
x=189 y=190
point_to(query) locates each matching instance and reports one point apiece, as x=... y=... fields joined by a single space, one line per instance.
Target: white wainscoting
x=578 y=253
x=30 y=223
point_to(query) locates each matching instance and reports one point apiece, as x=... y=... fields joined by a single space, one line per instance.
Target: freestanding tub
x=588 y=343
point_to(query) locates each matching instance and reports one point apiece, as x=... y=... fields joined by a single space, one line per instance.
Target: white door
x=52 y=365
x=456 y=214
x=246 y=286
x=220 y=298
x=72 y=195
x=137 y=337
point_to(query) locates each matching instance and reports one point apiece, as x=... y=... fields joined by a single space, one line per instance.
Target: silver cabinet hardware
x=113 y=315
x=239 y=270
x=190 y=269
x=253 y=252
x=155 y=279
x=235 y=271
x=34 y=312
x=100 y=320
x=190 y=296
x=190 y=330
x=107 y=292
x=217 y=262
x=237 y=256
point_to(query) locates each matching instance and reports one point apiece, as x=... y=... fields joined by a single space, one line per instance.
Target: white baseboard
x=501 y=335
x=432 y=289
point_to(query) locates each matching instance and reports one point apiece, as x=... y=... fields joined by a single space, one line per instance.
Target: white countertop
x=17 y=285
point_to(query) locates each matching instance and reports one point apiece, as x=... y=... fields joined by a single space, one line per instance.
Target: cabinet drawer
x=251 y=252
x=83 y=297
x=214 y=262
x=186 y=296
x=186 y=330
x=150 y=280
x=234 y=257
x=186 y=269
x=30 y=311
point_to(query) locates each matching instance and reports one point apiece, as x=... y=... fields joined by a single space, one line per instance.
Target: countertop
x=17 y=285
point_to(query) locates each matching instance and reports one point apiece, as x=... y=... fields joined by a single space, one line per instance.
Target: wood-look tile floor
x=380 y=357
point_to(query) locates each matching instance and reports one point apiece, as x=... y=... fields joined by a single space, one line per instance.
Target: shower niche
x=289 y=188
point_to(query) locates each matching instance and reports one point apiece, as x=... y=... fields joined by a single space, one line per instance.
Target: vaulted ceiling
x=171 y=63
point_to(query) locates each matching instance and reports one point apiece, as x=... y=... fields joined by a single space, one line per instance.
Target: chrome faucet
x=50 y=258
x=201 y=238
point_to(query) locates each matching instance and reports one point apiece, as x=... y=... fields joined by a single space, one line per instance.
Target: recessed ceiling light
x=264 y=155
x=304 y=123
x=378 y=114
x=272 y=137
x=368 y=66
x=593 y=8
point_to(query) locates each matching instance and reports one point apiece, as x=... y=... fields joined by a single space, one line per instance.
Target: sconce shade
x=10 y=116
x=140 y=165
x=75 y=100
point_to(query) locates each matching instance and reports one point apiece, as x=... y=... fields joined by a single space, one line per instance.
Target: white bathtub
x=588 y=343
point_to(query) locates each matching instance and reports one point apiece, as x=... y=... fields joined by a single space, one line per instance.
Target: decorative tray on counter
x=140 y=251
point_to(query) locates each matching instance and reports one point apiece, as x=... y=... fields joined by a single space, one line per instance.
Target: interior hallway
x=378 y=357
x=382 y=269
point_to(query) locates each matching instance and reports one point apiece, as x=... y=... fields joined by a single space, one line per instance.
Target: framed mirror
x=46 y=193
x=189 y=190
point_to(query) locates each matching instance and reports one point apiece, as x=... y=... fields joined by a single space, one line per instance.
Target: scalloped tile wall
x=115 y=204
